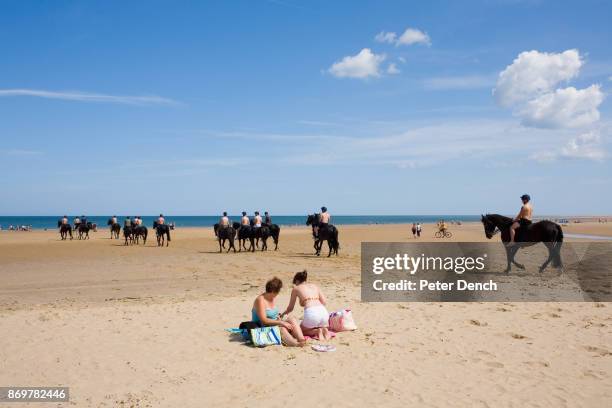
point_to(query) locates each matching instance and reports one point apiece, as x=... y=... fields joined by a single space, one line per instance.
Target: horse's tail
x=336 y=242
x=168 y=232
x=556 y=261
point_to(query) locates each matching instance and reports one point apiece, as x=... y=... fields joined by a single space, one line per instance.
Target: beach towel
x=342 y=320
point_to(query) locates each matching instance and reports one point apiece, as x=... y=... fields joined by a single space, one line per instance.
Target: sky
x=366 y=107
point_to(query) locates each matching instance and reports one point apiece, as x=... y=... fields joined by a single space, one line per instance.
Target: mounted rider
x=324 y=219
x=267 y=219
x=161 y=220
x=245 y=221
x=224 y=222
x=114 y=219
x=76 y=222
x=65 y=220
x=257 y=220
x=523 y=219
x=127 y=223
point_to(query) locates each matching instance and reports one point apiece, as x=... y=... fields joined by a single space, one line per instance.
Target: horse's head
x=489 y=226
x=313 y=219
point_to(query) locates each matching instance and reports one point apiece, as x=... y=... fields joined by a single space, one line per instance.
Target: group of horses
x=252 y=235
x=546 y=232
x=82 y=230
x=246 y=233
x=133 y=234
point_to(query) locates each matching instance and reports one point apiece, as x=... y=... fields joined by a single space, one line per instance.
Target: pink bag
x=342 y=320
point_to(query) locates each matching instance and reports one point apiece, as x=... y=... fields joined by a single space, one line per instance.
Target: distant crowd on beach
x=17 y=228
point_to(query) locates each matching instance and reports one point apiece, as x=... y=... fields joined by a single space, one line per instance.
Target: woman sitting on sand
x=316 y=316
x=265 y=313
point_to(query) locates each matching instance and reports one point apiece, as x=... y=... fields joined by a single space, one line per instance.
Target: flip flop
x=323 y=347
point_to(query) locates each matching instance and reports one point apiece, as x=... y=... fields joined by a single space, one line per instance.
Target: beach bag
x=342 y=320
x=266 y=336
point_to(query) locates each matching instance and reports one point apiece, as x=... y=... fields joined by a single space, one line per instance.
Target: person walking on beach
x=523 y=219
x=419 y=228
x=414 y=230
x=224 y=222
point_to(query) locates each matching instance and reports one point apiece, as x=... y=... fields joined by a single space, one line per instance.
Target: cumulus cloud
x=413 y=36
x=363 y=65
x=585 y=146
x=89 y=97
x=531 y=86
x=533 y=73
x=409 y=37
x=392 y=69
x=566 y=107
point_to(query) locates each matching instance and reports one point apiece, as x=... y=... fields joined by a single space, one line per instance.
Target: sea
x=50 y=222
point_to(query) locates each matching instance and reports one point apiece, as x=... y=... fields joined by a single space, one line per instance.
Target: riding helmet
x=525 y=197
x=324 y=209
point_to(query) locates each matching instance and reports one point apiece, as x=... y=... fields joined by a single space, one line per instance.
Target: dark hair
x=274 y=285
x=300 y=277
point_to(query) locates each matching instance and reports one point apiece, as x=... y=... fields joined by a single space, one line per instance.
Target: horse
x=547 y=232
x=64 y=230
x=128 y=234
x=275 y=234
x=115 y=228
x=140 y=231
x=244 y=233
x=262 y=233
x=83 y=230
x=161 y=230
x=329 y=234
x=225 y=234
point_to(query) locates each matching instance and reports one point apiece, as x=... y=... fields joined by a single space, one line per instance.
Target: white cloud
x=409 y=37
x=586 y=146
x=363 y=65
x=533 y=73
x=89 y=97
x=386 y=37
x=392 y=69
x=459 y=82
x=413 y=36
x=566 y=107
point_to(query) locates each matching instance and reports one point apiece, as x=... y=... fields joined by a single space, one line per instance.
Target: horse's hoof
x=507 y=271
x=520 y=266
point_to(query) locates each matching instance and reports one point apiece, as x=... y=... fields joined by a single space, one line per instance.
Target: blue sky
x=384 y=107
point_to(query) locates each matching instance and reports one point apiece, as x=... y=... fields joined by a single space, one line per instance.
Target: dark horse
x=83 y=230
x=128 y=234
x=115 y=228
x=274 y=233
x=244 y=234
x=547 y=232
x=262 y=233
x=64 y=230
x=163 y=233
x=329 y=234
x=140 y=231
x=225 y=234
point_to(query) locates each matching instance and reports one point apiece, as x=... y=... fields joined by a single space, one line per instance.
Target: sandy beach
x=144 y=327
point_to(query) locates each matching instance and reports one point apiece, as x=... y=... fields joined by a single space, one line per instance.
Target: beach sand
x=144 y=326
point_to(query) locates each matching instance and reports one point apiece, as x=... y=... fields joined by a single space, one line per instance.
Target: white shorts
x=315 y=316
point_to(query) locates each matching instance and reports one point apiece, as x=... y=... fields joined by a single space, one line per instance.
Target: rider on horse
x=257 y=220
x=245 y=221
x=324 y=219
x=114 y=219
x=224 y=222
x=65 y=220
x=267 y=219
x=161 y=220
x=523 y=219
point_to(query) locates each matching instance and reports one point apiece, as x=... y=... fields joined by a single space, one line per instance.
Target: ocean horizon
x=50 y=221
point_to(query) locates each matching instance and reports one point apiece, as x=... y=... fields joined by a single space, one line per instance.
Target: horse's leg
x=514 y=249
x=550 y=246
x=220 y=246
x=508 y=259
x=330 y=244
